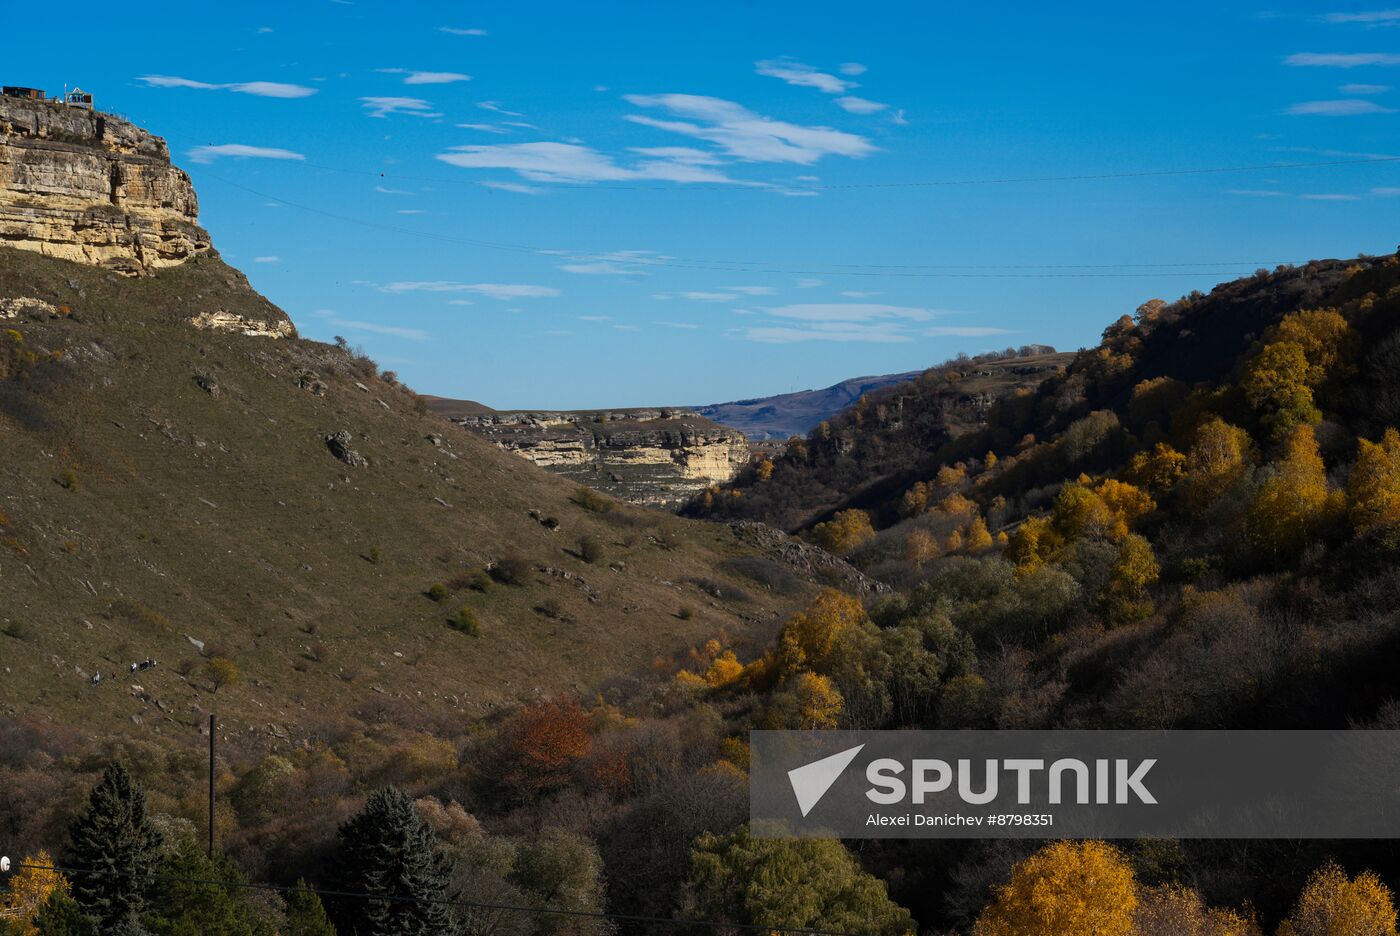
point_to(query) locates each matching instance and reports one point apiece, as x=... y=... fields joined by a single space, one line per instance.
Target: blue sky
x=614 y=204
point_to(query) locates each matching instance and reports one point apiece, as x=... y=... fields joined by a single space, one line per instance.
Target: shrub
x=685 y=612
x=68 y=480
x=438 y=591
x=590 y=549
x=591 y=500
x=511 y=570
x=465 y=621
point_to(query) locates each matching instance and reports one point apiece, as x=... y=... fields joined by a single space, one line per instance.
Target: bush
x=438 y=592
x=68 y=480
x=465 y=620
x=685 y=613
x=591 y=500
x=590 y=549
x=512 y=570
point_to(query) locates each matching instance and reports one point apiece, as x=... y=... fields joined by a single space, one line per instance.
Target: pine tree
x=115 y=848
x=387 y=849
x=61 y=916
x=305 y=915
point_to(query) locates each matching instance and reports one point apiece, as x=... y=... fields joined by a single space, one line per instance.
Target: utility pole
x=211 y=784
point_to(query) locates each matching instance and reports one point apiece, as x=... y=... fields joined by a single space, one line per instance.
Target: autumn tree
x=914 y=501
x=843 y=533
x=30 y=889
x=1157 y=470
x=1373 y=493
x=1173 y=910
x=920 y=547
x=1304 y=351
x=815 y=638
x=1034 y=543
x=807 y=702
x=1133 y=572
x=1218 y=459
x=116 y=845
x=790 y=883
x=1066 y=887
x=222 y=672
x=543 y=741
x=978 y=537
x=1293 y=500
x=1333 y=904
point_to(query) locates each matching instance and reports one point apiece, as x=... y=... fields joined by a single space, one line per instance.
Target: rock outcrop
x=86 y=186
x=655 y=457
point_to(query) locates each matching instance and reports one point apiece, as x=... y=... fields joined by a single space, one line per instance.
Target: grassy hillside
x=161 y=485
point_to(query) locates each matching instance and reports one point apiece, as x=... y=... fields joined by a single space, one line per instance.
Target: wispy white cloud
x=1328 y=196
x=752 y=290
x=411 y=334
x=207 y=154
x=851 y=312
x=745 y=135
x=1364 y=88
x=1342 y=59
x=494 y=290
x=808 y=282
x=1345 y=107
x=857 y=294
x=859 y=105
x=267 y=259
x=271 y=89
x=391 y=191
x=515 y=187
x=1386 y=192
x=457 y=31
x=483 y=128
x=701 y=296
x=412 y=77
x=1368 y=17
x=495 y=107
x=595 y=318
x=963 y=331
x=410 y=211
x=878 y=333
x=601 y=268
x=684 y=325
x=384 y=106
x=802 y=75
x=574 y=163
x=852 y=68
x=1256 y=193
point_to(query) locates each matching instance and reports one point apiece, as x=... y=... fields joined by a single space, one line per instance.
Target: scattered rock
x=207 y=384
x=340 y=445
x=311 y=381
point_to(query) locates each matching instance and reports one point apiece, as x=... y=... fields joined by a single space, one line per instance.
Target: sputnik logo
x=811 y=781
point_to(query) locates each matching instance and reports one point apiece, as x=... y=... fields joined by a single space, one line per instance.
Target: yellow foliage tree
x=818 y=703
x=1158 y=470
x=764 y=470
x=920 y=547
x=1134 y=571
x=724 y=670
x=1066 y=887
x=1276 y=383
x=1103 y=511
x=1217 y=460
x=954 y=542
x=30 y=888
x=1334 y=905
x=989 y=461
x=950 y=475
x=1328 y=342
x=1373 y=493
x=844 y=532
x=1292 y=503
x=1034 y=543
x=955 y=504
x=978 y=537
x=812 y=639
x=914 y=501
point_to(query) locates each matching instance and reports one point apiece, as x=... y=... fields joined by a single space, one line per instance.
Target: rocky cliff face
x=655 y=457
x=86 y=186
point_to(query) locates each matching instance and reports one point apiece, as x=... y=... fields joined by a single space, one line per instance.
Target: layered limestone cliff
x=90 y=187
x=655 y=457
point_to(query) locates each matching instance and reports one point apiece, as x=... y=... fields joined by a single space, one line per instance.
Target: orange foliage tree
x=1334 y=905
x=1293 y=501
x=1373 y=493
x=544 y=740
x=844 y=532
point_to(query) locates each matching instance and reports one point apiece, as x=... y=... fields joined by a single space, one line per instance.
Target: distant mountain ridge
x=795 y=414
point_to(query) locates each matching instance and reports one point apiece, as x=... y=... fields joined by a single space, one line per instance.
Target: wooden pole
x=211 y=784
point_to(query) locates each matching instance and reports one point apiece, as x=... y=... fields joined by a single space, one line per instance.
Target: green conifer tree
x=61 y=916
x=305 y=914
x=387 y=849
x=113 y=849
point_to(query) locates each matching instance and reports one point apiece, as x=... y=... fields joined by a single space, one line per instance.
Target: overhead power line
x=777 y=268
x=917 y=183
x=454 y=902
